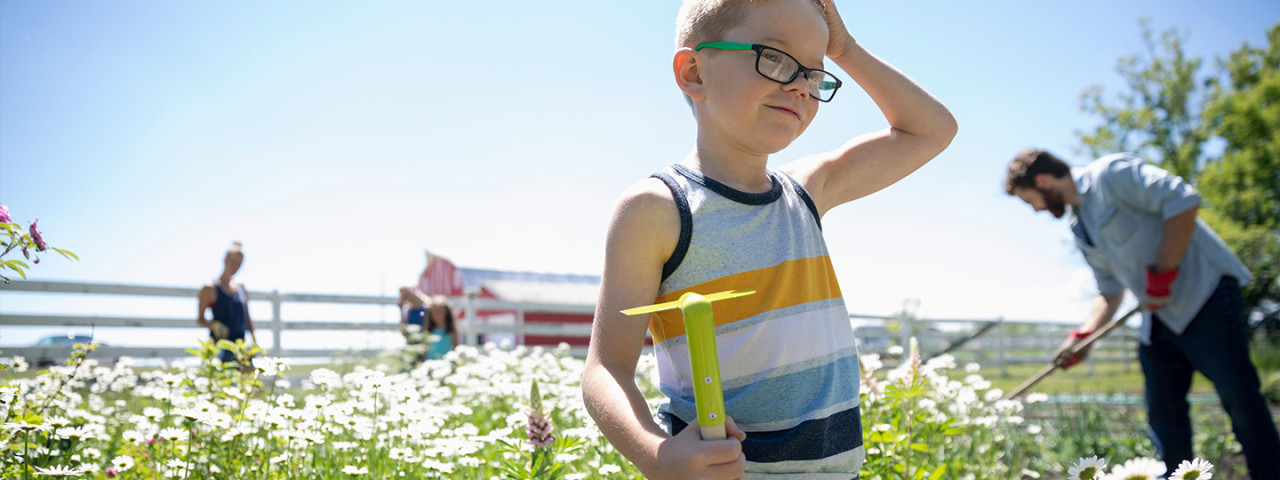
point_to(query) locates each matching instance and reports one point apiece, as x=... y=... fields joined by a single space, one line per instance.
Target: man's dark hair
x=1029 y=163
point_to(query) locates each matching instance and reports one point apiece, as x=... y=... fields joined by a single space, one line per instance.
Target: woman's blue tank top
x=229 y=309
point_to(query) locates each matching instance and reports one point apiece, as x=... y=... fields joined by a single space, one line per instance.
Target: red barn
x=442 y=277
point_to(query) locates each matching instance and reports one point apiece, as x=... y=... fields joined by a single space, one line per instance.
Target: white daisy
x=1138 y=469
x=122 y=463
x=1087 y=468
x=1197 y=469
x=609 y=469
x=354 y=471
x=174 y=433
x=59 y=471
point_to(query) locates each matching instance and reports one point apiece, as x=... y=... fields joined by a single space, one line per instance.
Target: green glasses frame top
x=783 y=68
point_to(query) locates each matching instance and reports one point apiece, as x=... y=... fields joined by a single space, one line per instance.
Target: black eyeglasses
x=783 y=68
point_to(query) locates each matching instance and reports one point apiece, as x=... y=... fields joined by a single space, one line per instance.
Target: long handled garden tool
x=959 y=342
x=1080 y=347
x=700 y=326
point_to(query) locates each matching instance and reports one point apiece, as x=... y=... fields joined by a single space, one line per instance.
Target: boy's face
x=742 y=106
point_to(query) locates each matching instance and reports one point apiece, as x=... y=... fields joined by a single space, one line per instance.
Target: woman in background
x=413 y=311
x=229 y=301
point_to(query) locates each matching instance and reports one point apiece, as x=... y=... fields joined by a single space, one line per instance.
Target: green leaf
x=881 y=437
x=920 y=447
x=938 y=473
x=65 y=253
x=32 y=418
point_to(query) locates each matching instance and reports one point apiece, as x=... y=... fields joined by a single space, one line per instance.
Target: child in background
x=721 y=219
x=443 y=332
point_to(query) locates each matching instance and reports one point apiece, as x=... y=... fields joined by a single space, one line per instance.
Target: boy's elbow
x=590 y=391
x=943 y=132
x=947 y=127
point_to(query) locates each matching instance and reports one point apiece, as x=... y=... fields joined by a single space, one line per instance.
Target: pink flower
x=4 y=215
x=35 y=237
x=539 y=430
x=111 y=472
x=539 y=427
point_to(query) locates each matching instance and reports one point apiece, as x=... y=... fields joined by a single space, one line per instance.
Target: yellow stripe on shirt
x=790 y=283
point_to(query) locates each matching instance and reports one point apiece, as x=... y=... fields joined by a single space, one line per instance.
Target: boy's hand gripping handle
x=700 y=330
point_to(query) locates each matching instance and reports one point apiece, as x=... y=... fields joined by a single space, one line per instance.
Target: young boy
x=722 y=220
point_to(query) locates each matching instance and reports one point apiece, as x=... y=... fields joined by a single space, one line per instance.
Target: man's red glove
x=1159 y=287
x=1075 y=358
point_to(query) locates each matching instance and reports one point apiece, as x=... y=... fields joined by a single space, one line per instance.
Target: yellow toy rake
x=700 y=327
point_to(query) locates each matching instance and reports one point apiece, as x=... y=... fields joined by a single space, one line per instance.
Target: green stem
x=190 y=442
x=373 y=437
x=235 y=444
x=906 y=472
x=26 y=456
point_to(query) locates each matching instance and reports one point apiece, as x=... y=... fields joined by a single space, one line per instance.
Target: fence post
x=1001 y=345
x=1088 y=359
x=1128 y=350
x=904 y=331
x=277 y=325
x=520 y=327
x=469 y=334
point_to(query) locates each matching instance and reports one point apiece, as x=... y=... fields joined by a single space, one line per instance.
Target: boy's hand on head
x=687 y=455
x=838 y=37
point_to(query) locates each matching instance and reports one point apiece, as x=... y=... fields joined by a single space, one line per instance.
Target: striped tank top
x=788 y=363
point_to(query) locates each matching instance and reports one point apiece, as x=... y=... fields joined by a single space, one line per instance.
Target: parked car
x=56 y=348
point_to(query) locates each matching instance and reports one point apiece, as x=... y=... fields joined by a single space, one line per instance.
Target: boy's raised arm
x=642 y=234
x=920 y=127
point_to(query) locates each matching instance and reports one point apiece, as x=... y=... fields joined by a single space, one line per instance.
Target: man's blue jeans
x=1217 y=345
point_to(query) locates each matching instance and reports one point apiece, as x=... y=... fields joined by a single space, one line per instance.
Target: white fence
x=998 y=342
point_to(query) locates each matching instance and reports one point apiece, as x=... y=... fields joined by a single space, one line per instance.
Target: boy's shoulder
x=647 y=193
x=645 y=217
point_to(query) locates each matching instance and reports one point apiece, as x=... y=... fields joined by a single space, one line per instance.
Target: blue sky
x=338 y=140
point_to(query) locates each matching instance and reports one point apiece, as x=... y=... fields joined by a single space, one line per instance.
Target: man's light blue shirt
x=1124 y=203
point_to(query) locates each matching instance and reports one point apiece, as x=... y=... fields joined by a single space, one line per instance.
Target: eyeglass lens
x=780 y=67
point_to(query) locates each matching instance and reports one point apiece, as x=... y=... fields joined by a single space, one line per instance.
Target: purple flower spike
x=35 y=237
x=539 y=430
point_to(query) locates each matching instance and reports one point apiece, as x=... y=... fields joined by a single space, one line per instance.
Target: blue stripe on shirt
x=811 y=440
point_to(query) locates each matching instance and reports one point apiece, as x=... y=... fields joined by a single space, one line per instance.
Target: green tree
x=1158 y=116
x=1242 y=187
x=1178 y=118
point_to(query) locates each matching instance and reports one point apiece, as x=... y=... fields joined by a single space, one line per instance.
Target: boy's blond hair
x=707 y=20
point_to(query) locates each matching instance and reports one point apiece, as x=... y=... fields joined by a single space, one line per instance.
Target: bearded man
x=1137 y=228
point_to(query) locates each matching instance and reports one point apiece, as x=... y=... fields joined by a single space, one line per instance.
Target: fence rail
x=1007 y=342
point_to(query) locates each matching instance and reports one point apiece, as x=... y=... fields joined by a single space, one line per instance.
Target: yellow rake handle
x=700 y=331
